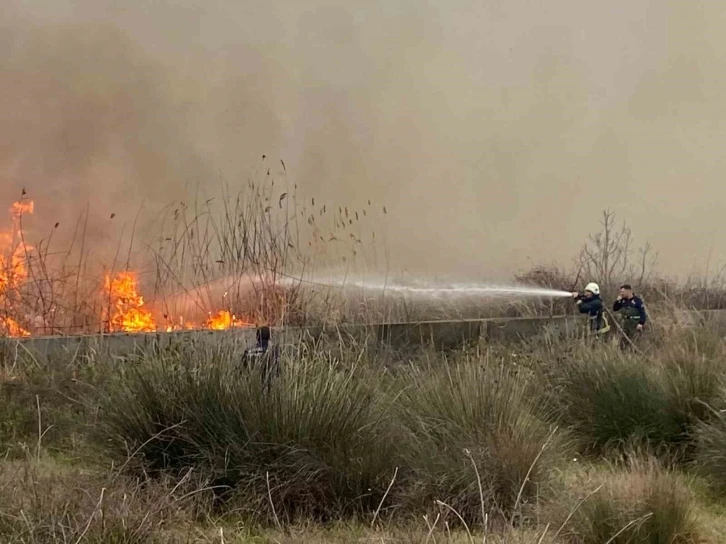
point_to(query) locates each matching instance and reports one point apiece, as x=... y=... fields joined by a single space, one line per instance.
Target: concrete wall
x=438 y=334
x=125 y=344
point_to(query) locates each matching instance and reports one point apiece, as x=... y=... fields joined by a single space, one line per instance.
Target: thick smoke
x=493 y=132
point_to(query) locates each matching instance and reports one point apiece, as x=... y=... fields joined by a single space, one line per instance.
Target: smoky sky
x=494 y=132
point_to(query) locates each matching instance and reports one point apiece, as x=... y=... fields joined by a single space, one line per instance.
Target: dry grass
x=43 y=501
x=477 y=441
x=640 y=502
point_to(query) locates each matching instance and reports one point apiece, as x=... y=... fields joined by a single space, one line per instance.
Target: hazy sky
x=494 y=132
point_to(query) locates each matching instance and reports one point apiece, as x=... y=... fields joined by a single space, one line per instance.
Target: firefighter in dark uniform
x=591 y=304
x=632 y=311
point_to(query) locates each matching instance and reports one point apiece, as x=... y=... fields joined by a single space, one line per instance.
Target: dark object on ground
x=263 y=357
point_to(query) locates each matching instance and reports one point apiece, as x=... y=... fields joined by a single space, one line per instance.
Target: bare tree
x=608 y=255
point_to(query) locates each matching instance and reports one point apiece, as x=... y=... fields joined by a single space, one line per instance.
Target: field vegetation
x=552 y=440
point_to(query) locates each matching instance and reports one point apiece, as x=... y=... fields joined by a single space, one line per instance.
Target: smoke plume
x=494 y=132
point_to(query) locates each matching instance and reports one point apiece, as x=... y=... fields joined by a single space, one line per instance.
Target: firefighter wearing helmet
x=590 y=303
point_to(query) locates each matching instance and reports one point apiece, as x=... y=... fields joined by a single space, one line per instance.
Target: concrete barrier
x=509 y=330
x=125 y=344
x=437 y=334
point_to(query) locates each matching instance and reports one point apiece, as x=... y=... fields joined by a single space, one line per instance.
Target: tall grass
x=475 y=439
x=324 y=442
x=44 y=401
x=317 y=444
x=246 y=249
x=342 y=436
x=611 y=400
x=710 y=458
x=49 y=502
x=608 y=400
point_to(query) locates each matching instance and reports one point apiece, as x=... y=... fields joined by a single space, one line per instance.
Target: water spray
x=436 y=290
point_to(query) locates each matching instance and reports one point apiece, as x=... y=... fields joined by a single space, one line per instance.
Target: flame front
x=123 y=308
x=14 y=254
x=127 y=313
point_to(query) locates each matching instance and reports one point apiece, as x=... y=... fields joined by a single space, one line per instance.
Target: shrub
x=315 y=445
x=472 y=425
x=642 y=503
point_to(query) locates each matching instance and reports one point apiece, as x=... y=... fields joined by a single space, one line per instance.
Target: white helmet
x=594 y=288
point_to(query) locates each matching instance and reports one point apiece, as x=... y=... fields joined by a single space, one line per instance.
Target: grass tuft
x=315 y=445
x=710 y=457
x=641 y=503
x=475 y=440
x=612 y=401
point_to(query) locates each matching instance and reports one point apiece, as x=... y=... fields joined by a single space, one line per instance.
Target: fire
x=126 y=305
x=19 y=208
x=182 y=326
x=129 y=315
x=12 y=328
x=125 y=309
x=224 y=320
x=13 y=268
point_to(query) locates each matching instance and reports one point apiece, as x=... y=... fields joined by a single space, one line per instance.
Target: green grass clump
x=611 y=401
x=316 y=445
x=476 y=440
x=642 y=503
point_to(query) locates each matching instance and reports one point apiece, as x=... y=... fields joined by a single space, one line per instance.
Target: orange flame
x=224 y=320
x=12 y=263
x=127 y=312
x=13 y=268
x=125 y=307
x=12 y=328
x=19 y=208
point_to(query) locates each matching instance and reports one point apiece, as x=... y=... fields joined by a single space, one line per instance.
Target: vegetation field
x=552 y=440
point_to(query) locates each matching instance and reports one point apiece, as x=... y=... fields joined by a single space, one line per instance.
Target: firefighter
x=591 y=304
x=632 y=311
